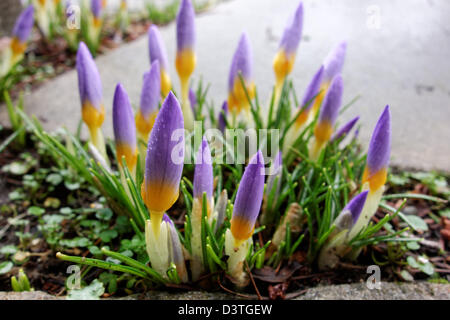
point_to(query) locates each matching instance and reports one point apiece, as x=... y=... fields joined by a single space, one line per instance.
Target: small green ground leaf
x=5 y=267
x=91 y=292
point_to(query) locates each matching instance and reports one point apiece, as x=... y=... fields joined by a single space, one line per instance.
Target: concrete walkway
x=397 y=54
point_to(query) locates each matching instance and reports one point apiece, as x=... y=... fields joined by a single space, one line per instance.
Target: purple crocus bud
x=23 y=25
x=185 y=61
x=379 y=152
x=241 y=63
x=345 y=129
x=96 y=8
x=185 y=26
x=222 y=116
x=350 y=214
x=157 y=51
x=310 y=95
x=124 y=129
x=248 y=199
x=192 y=100
x=90 y=88
x=329 y=111
x=334 y=62
x=203 y=173
x=150 y=96
x=285 y=58
x=164 y=161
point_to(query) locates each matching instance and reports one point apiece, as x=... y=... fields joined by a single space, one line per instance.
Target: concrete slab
x=397 y=54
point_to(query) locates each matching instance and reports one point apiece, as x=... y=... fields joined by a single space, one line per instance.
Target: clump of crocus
x=333 y=65
x=327 y=117
x=14 y=52
x=303 y=116
x=203 y=183
x=124 y=130
x=90 y=89
x=186 y=60
x=157 y=51
x=241 y=65
x=375 y=172
x=148 y=108
x=223 y=113
x=337 y=244
x=283 y=62
x=238 y=238
x=164 y=162
x=343 y=131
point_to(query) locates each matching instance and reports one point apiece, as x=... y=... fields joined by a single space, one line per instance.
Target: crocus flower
x=90 y=89
x=241 y=63
x=238 y=239
x=375 y=172
x=203 y=183
x=303 y=117
x=150 y=96
x=203 y=174
x=379 y=152
x=186 y=60
x=285 y=57
x=328 y=115
x=350 y=214
x=157 y=51
x=333 y=64
x=124 y=129
x=248 y=199
x=337 y=244
x=21 y=32
x=96 y=8
x=175 y=249
x=345 y=129
x=164 y=161
x=43 y=16
x=222 y=117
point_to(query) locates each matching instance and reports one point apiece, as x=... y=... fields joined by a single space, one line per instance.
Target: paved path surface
x=355 y=291
x=403 y=63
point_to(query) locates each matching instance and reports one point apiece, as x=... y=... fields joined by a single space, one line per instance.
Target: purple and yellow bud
x=150 y=97
x=164 y=161
x=124 y=129
x=379 y=152
x=157 y=51
x=21 y=33
x=96 y=9
x=241 y=64
x=283 y=62
x=90 y=90
x=186 y=59
x=203 y=183
x=223 y=113
x=375 y=173
x=327 y=117
x=333 y=65
x=203 y=174
x=344 y=130
x=248 y=199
